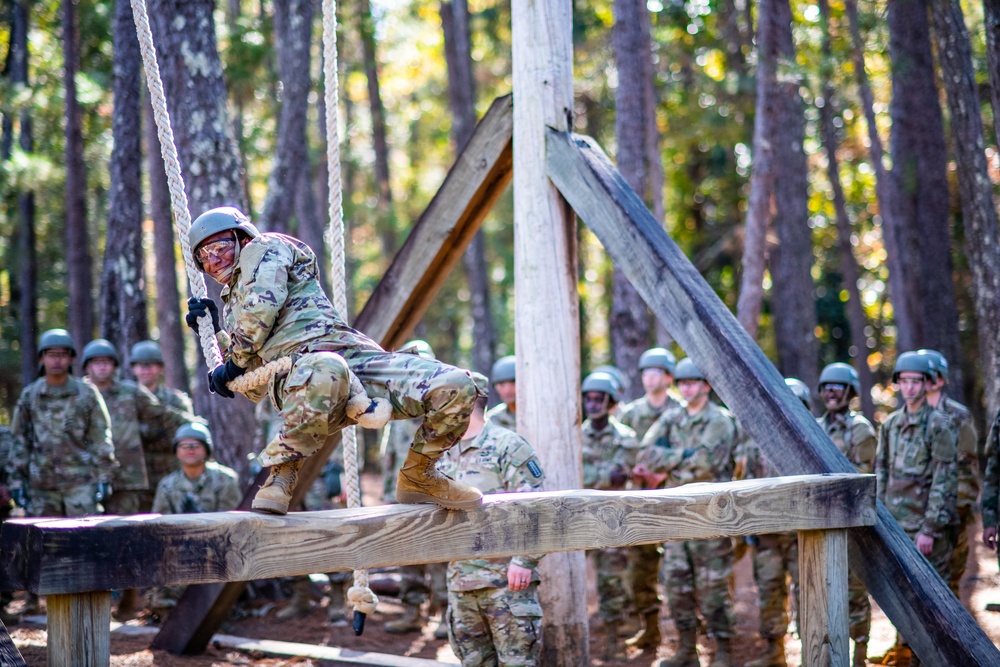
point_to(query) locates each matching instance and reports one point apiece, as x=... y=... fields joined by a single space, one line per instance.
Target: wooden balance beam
x=76 y=562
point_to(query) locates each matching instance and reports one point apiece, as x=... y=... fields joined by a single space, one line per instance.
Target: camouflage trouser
x=312 y=399
x=960 y=550
x=495 y=626
x=125 y=503
x=775 y=561
x=644 y=568
x=420 y=582
x=696 y=575
x=71 y=501
x=612 y=597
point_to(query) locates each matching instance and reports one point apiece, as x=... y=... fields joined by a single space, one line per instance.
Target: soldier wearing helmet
x=146 y=359
x=991 y=486
x=502 y=377
x=275 y=307
x=968 y=463
x=694 y=443
x=609 y=449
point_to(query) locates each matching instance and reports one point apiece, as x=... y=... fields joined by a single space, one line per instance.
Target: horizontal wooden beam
x=898 y=577
x=332 y=656
x=49 y=556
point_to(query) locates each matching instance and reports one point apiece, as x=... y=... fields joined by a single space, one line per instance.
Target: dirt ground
x=979 y=587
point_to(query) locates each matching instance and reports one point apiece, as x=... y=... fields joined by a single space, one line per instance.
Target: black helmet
x=419 y=347
x=840 y=373
x=940 y=363
x=100 y=347
x=504 y=369
x=56 y=338
x=686 y=370
x=800 y=390
x=603 y=382
x=218 y=220
x=196 y=431
x=146 y=352
x=911 y=362
x=658 y=357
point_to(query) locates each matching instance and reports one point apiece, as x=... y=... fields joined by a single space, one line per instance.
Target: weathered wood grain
x=940 y=630
x=109 y=553
x=9 y=655
x=79 y=629
x=823 y=594
x=331 y=656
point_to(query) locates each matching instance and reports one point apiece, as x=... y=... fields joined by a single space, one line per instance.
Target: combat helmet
x=603 y=382
x=100 y=347
x=840 y=373
x=218 y=220
x=614 y=372
x=658 y=357
x=146 y=352
x=503 y=369
x=419 y=347
x=940 y=363
x=800 y=390
x=56 y=338
x=686 y=370
x=911 y=362
x=196 y=431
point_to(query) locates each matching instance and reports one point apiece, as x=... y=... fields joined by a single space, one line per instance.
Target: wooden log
x=919 y=604
x=331 y=656
x=823 y=594
x=79 y=629
x=9 y=655
x=107 y=553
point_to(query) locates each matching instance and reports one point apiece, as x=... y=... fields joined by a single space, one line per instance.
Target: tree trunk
x=168 y=302
x=792 y=301
x=991 y=12
x=920 y=185
x=184 y=32
x=751 y=297
x=849 y=271
x=293 y=23
x=78 y=260
x=123 y=297
x=979 y=217
x=631 y=324
x=462 y=95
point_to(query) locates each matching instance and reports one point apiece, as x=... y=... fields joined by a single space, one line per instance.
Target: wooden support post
x=823 y=595
x=79 y=629
x=9 y=655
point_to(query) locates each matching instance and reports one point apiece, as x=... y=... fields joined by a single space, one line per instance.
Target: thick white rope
x=360 y=595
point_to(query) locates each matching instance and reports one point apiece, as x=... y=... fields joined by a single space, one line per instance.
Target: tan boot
x=128 y=606
x=300 y=604
x=649 y=636
x=412 y=620
x=687 y=651
x=723 y=654
x=860 y=654
x=420 y=482
x=774 y=654
x=276 y=493
x=335 y=609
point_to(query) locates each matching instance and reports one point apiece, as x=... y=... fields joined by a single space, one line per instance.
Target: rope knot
x=363 y=599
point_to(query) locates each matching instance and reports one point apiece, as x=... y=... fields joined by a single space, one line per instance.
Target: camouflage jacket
x=215 y=490
x=158 y=438
x=691 y=448
x=130 y=405
x=396 y=440
x=495 y=461
x=501 y=416
x=6 y=445
x=968 y=456
x=640 y=414
x=613 y=447
x=62 y=437
x=916 y=469
x=991 y=478
x=854 y=436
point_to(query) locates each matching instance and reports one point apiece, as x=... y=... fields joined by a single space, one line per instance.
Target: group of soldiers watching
x=105 y=444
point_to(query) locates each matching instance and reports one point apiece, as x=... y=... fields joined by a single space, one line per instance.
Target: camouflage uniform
x=696 y=574
x=157 y=441
x=490 y=624
x=501 y=416
x=991 y=478
x=414 y=587
x=968 y=485
x=644 y=560
x=917 y=471
x=275 y=307
x=613 y=447
x=62 y=447
x=6 y=444
x=130 y=406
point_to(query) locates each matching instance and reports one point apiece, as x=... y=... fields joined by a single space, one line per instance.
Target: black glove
x=199 y=308
x=221 y=375
x=103 y=491
x=331 y=477
x=618 y=477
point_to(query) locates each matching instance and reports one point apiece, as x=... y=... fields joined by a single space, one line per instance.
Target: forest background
x=830 y=168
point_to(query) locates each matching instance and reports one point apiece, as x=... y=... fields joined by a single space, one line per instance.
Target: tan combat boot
x=687 y=651
x=335 y=609
x=860 y=654
x=412 y=620
x=128 y=606
x=301 y=602
x=276 y=493
x=723 y=654
x=649 y=636
x=420 y=482
x=774 y=654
